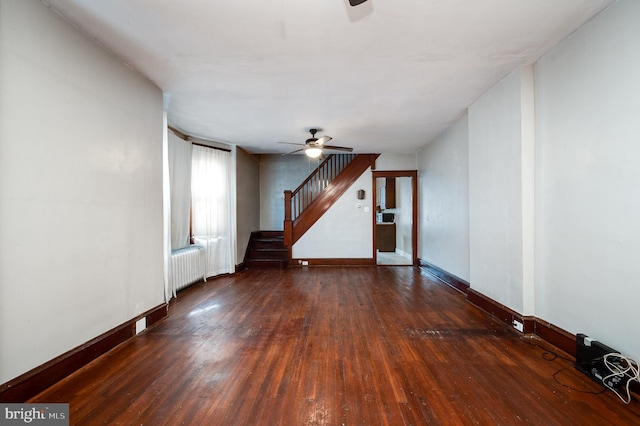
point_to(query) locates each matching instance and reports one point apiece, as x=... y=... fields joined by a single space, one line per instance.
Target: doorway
x=396 y=212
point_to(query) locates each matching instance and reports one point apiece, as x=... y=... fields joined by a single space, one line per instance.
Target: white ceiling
x=385 y=76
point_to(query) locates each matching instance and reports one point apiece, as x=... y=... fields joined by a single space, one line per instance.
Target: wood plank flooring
x=333 y=346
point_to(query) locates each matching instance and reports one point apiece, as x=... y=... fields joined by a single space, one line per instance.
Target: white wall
x=588 y=203
x=81 y=247
x=443 y=195
x=345 y=230
x=404 y=216
x=496 y=192
x=386 y=162
x=553 y=176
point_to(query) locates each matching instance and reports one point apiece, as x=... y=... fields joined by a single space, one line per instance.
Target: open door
x=395 y=229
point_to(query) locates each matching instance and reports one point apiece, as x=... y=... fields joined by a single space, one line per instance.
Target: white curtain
x=180 y=184
x=169 y=291
x=211 y=207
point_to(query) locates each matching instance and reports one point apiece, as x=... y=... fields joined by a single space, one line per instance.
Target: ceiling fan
x=313 y=146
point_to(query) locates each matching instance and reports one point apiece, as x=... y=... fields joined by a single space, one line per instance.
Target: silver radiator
x=187 y=266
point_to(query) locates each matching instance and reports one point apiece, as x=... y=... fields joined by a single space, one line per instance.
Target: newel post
x=288 y=223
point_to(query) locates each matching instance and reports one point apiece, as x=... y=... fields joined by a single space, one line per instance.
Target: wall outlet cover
x=518 y=326
x=141 y=324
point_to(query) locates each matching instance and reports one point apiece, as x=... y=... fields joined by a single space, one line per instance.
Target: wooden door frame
x=413 y=174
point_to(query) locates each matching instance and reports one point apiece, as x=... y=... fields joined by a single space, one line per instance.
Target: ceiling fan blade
x=292 y=143
x=293 y=152
x=356 y=2
x=322 y=140
x=337 y=148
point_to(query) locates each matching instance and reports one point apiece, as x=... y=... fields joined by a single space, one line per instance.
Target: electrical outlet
x=305 y=263
x=518 y=326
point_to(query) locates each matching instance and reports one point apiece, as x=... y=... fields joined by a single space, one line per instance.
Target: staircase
x=266 y=250
x=306 y=204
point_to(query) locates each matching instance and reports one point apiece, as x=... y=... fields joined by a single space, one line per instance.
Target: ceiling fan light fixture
x=313 y=152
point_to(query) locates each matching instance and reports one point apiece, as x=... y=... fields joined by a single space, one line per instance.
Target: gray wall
x=277 y=174
x=247 y=198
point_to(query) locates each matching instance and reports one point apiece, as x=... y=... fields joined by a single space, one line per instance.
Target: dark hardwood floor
x=334 y=346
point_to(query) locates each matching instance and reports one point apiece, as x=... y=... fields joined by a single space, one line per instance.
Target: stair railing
x=298 y=200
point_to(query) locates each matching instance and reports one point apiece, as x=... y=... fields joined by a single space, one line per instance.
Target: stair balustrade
x=309 y=190
x=304 y=205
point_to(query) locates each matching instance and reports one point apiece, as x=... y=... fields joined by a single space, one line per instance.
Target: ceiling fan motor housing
x=313 y=138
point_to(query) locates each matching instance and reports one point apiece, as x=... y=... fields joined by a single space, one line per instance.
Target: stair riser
x=267 y=245
x=258 y=254
x=267 y=234
x=266 y=264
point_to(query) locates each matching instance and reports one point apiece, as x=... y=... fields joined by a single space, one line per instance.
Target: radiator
x=187 y=266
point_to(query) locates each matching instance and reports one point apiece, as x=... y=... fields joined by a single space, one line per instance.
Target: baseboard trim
x=31 y=383
x=500 y=311
x=558 y=337
x=334 y=262
x=240 y=267
x=449 y=279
